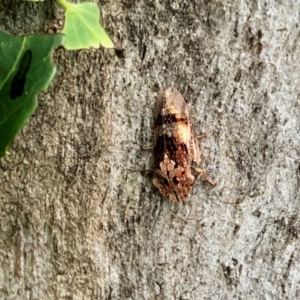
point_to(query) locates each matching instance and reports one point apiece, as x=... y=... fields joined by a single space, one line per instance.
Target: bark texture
x=77 y=224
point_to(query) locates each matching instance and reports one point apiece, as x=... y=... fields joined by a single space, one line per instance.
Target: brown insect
x=175 y=147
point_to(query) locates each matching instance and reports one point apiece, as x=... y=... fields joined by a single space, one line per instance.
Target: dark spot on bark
x=235 y=33
x=237 y=76
x=259 y=34
x=236 y=229
x=120 y=53
x=235 y=261
x=143 y=52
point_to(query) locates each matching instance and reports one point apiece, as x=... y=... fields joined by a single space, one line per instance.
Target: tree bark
x=76 y=223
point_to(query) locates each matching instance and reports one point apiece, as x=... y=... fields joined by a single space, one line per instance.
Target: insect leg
x=205 y=176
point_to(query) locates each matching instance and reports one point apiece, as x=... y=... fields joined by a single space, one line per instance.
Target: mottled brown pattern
x=175 y=147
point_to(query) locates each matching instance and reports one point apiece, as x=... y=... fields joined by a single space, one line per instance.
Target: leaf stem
x=65 y=4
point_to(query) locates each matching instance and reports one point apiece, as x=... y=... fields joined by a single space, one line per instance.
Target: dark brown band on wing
x=169 y=119
x=168 y=145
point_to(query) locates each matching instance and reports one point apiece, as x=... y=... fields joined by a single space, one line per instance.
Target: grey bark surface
x=76 y=223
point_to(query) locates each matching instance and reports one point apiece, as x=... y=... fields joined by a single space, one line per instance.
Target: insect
x=175 y=147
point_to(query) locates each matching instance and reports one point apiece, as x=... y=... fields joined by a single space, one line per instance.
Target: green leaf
x=82 y=28
x=26 y=70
